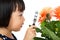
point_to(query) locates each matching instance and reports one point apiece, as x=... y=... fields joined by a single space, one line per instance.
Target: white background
x=31 y=7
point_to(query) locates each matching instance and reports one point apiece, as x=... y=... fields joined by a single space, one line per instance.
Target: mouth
x=22 y=25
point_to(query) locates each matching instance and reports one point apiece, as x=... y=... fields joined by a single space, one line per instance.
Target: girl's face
x=16 y=20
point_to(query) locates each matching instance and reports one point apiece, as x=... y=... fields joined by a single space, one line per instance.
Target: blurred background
x=31 y=6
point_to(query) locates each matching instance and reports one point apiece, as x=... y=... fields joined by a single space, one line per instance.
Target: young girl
x=11 y=19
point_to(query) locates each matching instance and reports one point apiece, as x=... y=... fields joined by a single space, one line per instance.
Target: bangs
x=21 y=6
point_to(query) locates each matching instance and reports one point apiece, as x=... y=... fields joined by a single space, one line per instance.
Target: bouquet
x=49 y=21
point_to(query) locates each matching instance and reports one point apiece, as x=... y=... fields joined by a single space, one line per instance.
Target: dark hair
x=6 y=9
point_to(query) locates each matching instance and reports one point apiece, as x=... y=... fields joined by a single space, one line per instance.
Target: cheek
x=15 y=23
x=18 y=22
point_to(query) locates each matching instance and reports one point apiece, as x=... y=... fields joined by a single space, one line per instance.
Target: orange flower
x=57 y=12
x=44 y=12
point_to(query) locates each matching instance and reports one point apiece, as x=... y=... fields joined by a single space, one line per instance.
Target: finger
x=33 y=27
x=34 y=31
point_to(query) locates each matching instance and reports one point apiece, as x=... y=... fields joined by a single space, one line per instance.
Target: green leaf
x=43 y=34
x=58 y=24
x=58 y=34
x=38 y=30
x=43 y=23
x=51 y=25
x=37 y=38
x=50 y=33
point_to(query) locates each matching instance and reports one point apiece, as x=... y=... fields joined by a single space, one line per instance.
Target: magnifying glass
x=35 y=18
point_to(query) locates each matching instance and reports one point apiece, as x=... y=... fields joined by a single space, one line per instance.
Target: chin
x=16 y=30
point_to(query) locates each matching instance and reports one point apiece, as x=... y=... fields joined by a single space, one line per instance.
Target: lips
x=22 y=25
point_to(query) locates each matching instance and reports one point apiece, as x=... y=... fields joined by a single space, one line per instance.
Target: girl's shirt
x=7 y=38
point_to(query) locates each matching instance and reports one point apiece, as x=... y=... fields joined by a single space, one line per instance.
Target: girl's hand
x=30 y=33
